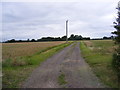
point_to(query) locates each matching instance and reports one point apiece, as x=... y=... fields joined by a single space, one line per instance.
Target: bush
x=116 y=63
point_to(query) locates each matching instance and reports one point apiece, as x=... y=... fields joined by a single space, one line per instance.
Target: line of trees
x=72 y=37
x=104 y=38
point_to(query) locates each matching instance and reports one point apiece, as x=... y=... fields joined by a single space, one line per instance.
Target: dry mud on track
x=68 y=61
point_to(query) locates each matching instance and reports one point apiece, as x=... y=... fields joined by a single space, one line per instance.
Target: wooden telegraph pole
x=67 y=31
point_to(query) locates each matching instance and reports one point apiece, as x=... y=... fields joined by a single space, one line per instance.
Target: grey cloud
x=34 y=20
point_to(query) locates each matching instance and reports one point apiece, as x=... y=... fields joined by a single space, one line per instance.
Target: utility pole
x=66 y=31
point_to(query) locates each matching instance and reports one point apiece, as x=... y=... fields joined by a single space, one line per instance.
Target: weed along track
x=65 y=69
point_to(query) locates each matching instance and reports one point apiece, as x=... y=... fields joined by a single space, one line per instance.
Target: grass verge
x=98 y=55
x=16 y=72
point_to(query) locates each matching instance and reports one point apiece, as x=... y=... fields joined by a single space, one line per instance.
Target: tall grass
x=98 y=54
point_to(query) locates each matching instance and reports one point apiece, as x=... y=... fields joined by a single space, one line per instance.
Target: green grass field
x=98 y=54
x=15 y=72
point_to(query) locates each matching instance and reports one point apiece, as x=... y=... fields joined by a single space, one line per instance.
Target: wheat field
x=14 y=50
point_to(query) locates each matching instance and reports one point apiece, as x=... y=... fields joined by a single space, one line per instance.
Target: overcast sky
x=89 y=18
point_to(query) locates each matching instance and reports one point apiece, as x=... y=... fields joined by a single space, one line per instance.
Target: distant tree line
x=104 y=38
x=63 y=38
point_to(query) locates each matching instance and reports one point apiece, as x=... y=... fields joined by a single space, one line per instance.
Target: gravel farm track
x=68 y=61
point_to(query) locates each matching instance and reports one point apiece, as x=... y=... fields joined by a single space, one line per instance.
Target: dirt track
x=68 y=61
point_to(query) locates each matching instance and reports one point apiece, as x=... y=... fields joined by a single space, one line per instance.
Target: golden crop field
x=14 y=50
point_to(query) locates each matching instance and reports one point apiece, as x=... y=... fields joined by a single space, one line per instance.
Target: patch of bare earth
x=68 y=61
